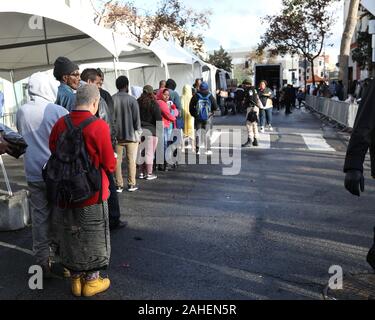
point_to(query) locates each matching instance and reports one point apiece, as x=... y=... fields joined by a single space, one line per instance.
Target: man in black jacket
x=92 y=76
x=362 y=139
x=105 y=94
x=203 y=124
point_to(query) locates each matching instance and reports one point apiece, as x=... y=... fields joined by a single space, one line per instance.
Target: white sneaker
x=151 y=177
x=132 y=188
x=141 y=176
x=209 y=153
x=270 y=128
x=119 y=189
x=261 y=130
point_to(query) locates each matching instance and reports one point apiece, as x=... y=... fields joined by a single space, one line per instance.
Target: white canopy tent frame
x=34 y=33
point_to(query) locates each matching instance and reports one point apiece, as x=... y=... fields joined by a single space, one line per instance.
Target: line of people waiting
x=79 y=232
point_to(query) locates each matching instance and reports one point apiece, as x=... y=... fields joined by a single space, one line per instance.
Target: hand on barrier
x=355 y=182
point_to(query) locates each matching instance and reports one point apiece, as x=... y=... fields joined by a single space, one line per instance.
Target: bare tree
x=171 y=19
x=302 y=28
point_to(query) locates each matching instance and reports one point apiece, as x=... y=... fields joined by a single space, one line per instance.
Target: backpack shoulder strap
x=199 y=96
x=87 y=122
x=68 y=122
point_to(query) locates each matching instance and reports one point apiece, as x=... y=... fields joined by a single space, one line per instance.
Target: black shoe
x=255 y=143
x=118 y=225
x=247 y=144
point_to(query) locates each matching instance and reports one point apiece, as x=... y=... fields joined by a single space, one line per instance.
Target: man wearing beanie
x=68 y=74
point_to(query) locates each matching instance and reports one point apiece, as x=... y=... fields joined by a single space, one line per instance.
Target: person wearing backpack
x=202 y=108
x=253 y=105
x=35 y=120
x=76 y=179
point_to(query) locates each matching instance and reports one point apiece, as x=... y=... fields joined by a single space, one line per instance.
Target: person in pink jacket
x=169 y=113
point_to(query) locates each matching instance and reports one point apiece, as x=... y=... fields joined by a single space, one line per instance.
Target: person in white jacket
x=35 y=120
x=265 y=95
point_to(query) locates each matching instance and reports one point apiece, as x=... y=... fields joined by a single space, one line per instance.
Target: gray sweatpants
x=41 y=213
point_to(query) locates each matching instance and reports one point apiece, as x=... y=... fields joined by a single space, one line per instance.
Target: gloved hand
x=354 y=182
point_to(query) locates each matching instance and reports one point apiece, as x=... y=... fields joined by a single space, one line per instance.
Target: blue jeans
x=265 y=115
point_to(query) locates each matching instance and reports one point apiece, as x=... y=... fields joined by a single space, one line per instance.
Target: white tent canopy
x=369 y=5
x=182 y=66
x=216 y=78
x=34 y=33
x=166 y=60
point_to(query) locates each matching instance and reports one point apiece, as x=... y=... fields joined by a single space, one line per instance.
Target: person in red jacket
x=85 y=247
x=169 y=114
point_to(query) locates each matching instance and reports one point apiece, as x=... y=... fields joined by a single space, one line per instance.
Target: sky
x=237 y=24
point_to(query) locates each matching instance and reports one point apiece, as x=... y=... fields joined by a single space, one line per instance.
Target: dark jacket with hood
x=194 y=103
x=363 y=136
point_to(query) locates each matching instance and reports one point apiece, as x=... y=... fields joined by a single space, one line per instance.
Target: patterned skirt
x=85 y=239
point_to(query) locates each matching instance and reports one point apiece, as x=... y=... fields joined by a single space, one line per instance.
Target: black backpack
x=252 y=116
x=69 y=174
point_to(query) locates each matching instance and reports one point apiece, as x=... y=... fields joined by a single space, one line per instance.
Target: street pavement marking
x=11 y=246
x=216 y=135
x=313 y=141
x=264 y=141
x=316 y=142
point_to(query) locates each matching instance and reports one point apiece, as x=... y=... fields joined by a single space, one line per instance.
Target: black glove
x=354 y=181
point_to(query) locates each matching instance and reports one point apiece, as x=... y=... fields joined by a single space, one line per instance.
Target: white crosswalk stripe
x=316 y=142
x=264 y=141
x=308 y=141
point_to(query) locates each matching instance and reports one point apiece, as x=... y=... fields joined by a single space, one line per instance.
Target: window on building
x=321 y=74
x=320 y=63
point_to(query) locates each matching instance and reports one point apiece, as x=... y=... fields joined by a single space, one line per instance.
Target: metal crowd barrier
x=10 y=120
x=343 y=113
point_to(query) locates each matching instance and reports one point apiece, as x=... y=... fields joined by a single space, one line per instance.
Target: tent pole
x=166 y=71
x=14 y=88
x=115 y=67
x=144 y=75
x=128 y=76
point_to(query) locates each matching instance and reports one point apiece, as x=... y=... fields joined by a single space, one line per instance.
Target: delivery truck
x=272 y=73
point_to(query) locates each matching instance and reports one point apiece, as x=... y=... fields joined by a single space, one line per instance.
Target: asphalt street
x=270 y=232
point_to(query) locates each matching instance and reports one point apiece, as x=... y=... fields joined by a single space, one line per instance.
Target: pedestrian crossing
x=301 y=141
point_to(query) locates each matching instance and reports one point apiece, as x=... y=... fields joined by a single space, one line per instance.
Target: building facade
x=244 y=65
x=355 y=70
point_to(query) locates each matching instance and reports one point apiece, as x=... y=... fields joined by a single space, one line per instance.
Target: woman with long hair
x=150 y=116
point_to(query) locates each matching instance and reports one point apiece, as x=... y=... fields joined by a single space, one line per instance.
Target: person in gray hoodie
x=35 y=120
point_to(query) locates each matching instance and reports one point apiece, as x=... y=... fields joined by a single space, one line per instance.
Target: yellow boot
x=93 y=287
x=77 y=285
